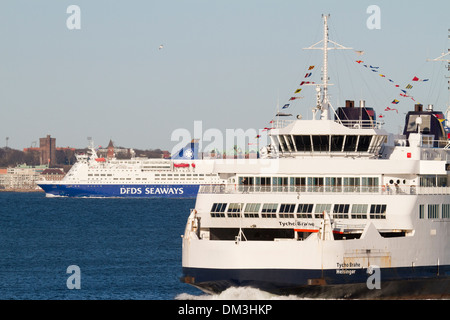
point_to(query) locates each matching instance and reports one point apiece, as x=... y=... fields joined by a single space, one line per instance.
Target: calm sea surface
x=125 y=248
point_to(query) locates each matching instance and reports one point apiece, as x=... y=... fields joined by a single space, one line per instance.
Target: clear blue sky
x=225 y=62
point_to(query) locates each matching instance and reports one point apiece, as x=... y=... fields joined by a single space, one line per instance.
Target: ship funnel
x=430 y=108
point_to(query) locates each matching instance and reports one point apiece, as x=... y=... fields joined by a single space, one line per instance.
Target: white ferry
x=93 y=176
x=337 y=208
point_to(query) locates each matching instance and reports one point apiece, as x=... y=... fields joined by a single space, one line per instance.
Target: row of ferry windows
x=162 y=175
x=327 y=143
x=301 y=210
x=309 y=181
x=434 y=211
x=137 y=179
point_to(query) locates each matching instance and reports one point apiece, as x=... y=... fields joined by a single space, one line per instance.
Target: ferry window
x=290 y=142
x=369 y=184
x=252 y=210
x=446 y=211
x=421 y=211
x=279 y=183
x=304 y=210
x=433 y=211
x=321 y=143
x=378 y=211
x=298 y=184
x=315 y=184
x=351 y=184
x=245 y=180
x=286 y=211
x=340 y=211
x=363 y=143
x=428 y=181
x=333 y=184
x=359 y=211
x=234 y=210
x=218 y=210
x=283 y=146
x=302 y=143
x=350 y=143
x=269 y=210
x=441 y=181
x=320 y=208
x=336 y=143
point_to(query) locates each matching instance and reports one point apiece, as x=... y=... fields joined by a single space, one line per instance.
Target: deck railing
x=390 y=190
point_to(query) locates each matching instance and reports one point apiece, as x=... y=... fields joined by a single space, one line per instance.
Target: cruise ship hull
x=180 y=191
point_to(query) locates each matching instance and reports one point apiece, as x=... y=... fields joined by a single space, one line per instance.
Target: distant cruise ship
x=93 y=176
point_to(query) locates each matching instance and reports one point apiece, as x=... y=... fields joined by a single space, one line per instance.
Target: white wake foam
x=241 y=293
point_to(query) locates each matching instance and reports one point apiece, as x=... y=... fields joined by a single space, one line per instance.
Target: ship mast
x=441 y=58
x=323 y=102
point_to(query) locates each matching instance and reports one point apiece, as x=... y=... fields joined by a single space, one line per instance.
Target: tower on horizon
x=47 y=150
x=110 y=153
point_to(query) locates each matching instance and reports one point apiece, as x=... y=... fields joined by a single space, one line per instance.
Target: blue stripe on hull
x=123 y=191
x=395 y=282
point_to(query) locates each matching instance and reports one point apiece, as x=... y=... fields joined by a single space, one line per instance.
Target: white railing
x=437 y=154
x=360 y=124
x=391 y=190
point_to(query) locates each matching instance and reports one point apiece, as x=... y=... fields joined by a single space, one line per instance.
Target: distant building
x=52 y=174
x=22 y=177
x=47 y=147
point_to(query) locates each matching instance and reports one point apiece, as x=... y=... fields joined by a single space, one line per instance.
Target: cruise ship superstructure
x=93 y=176
x=338 y=208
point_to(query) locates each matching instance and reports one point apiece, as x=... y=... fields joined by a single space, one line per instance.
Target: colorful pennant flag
x=409 y=86
x=298 y=90
x=294 y=98
x=417 y=79
x=308 y=75
x=311 y=67
x=390 y=109
x=284 y=107
x=395 y=101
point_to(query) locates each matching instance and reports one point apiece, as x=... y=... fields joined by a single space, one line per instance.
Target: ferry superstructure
x=337 y=208
x=93 y=176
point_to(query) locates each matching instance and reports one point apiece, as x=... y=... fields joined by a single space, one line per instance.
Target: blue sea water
x=124 y=248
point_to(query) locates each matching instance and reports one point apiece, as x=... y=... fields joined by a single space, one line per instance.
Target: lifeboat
x=100 y=159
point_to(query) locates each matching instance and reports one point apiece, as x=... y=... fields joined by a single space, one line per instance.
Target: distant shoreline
x=21 y=190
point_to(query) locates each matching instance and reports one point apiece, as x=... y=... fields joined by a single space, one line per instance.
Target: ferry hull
x=422 y=282
x=179 y=191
